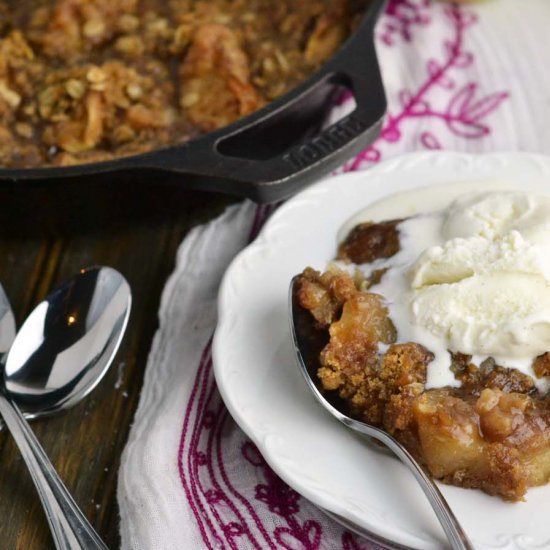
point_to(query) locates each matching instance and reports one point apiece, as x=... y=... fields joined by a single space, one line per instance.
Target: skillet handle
x=270 y=155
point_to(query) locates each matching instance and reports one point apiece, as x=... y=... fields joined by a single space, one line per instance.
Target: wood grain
x=47 y=235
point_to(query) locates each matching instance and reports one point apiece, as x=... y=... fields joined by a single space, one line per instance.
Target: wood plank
x=50 y=235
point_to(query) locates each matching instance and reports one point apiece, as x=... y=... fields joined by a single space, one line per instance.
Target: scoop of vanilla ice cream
x=494 y=214
x=486 y=289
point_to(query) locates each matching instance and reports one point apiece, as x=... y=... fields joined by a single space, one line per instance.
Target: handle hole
x=291 y=124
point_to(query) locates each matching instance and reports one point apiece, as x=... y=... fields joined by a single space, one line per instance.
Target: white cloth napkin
x=471 y=78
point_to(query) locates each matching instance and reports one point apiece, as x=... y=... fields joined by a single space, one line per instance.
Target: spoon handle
x=70 y=529
x=455 y=534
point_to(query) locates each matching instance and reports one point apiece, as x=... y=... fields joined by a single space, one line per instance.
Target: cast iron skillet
x=270 y=154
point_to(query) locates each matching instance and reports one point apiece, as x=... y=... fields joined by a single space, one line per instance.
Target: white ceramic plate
x=263 y=389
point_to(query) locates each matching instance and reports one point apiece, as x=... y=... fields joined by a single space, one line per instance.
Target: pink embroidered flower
x=466 y=109
x=400 y=17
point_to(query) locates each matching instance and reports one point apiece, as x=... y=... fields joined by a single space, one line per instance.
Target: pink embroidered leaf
x=461 y=100
x=452 y=49
x=391 y=134
x=213 y=496
x=438 y=75
x=463 y=60
x=420 y=107
x=233 y=529
x=434 y=68
x=372 y=154
x=467 y=129
x=484 y=106
x=446 y=82
x=429 y=141
x=464 y=112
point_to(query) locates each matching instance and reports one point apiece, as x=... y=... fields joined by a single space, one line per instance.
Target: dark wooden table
x=46 y=235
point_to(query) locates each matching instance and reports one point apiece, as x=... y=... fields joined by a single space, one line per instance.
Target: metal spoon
x=307 y=355
x=60 y=354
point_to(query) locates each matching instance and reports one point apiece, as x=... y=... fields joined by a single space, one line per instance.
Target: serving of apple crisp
x=485 y=422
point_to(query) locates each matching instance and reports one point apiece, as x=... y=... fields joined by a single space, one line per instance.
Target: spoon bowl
x=67 y=343
x=308 y=343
